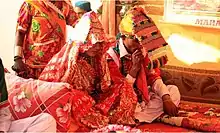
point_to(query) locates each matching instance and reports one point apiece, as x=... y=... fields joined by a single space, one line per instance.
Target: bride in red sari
x=71 y=106
x=83 y=65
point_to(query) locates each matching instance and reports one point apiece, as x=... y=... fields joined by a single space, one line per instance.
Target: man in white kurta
x=127 y=58
x=40 y=123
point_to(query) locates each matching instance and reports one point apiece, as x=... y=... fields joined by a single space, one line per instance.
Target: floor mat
x=196 y=116
x=160 y=127
x=192 y=117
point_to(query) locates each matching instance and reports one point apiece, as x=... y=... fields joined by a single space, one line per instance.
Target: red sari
x=44 y=25
x=91 y=75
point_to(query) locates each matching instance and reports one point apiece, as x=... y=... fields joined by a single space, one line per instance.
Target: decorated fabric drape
x=108 y=16
x=137 y=24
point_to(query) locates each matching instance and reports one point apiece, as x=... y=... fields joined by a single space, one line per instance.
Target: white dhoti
x=151 y=111
x=41 y=123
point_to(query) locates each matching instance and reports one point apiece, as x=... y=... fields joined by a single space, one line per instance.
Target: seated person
x=39 y=123
x=127 y=62
x=82 y=65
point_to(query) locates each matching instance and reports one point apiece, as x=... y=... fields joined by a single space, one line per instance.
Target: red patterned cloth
x=68 y=65
x=28 y=97
x=195 y=116
x=161 y=127
x=44 y=25
x=91 y=74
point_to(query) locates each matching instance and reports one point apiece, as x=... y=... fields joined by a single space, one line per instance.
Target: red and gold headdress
x=136 y=24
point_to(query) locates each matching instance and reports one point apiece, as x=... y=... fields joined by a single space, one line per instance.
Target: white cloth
x=160 y=88
x=5 y=119
x=151 y=111
x=40 y=123
x=71 y=34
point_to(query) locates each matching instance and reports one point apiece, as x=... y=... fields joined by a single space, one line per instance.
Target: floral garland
x=117 y=128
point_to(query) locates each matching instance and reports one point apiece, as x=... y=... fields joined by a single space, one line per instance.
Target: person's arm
x=161 y=90
x=19 y=39
x=5 y=115
x=154 y=80
x=23 y=23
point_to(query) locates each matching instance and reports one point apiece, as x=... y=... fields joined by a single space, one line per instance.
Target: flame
x=191 y=51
